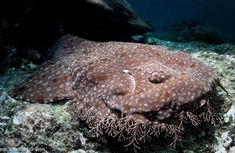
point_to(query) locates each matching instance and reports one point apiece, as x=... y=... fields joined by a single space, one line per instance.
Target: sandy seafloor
x=26 y=127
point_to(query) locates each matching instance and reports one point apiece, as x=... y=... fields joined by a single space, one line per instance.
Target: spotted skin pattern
x=121 y=88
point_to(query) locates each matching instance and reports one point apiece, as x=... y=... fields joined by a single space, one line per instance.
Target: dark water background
x=220 y=14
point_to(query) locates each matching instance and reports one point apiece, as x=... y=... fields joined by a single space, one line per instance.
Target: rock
x=83 y=151
x=116 y=19
x=224 y=141
x=34 y=25
x=230 y=115
x=232 y=149
x=44 y=127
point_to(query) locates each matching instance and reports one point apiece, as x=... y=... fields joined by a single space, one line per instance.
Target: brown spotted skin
x=113 y=78
x=129 y=77
x=50 y=83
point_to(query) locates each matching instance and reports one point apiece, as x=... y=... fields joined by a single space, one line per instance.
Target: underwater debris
x=126 y=90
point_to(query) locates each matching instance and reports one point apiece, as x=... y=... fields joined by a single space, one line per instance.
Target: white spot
x=126 y=71
x=192 y=97
x=61 y=86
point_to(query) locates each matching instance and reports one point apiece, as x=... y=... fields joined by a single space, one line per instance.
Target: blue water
x=220 y=14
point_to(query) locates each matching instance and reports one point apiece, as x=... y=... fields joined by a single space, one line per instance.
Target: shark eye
x=157 y=77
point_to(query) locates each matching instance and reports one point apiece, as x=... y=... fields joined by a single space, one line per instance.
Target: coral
x=37 y=128
x=32 y=127
x=126 y=90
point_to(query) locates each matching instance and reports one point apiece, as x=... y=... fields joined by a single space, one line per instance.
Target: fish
x=130 y=91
